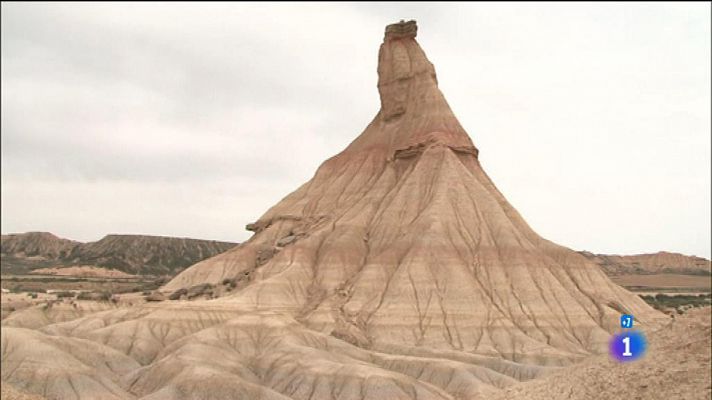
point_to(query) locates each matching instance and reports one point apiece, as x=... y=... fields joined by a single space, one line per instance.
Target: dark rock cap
x=401 y=30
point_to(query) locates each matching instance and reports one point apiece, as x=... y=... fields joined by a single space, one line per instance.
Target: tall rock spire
x=401 y=66
x=399 y=271
x=403 y=240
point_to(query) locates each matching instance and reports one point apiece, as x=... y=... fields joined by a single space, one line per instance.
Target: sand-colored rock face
x=9 y=392
x=63 y=368
x=403 y=239
x=398 y=271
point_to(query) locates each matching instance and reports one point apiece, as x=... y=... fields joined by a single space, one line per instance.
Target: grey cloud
x=586 y=113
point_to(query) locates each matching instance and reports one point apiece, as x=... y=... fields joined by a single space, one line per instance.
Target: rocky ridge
x=132 y=254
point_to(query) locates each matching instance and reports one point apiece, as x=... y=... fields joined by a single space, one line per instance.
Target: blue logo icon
x=628 y=346
x=626 y=321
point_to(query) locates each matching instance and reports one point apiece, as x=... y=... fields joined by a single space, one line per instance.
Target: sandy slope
x=187 y=352
x=184 y=353
x=52 y=312
x=677 y=367
x=9 y=392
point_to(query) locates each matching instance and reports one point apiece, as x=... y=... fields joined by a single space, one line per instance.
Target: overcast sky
x=193 y=119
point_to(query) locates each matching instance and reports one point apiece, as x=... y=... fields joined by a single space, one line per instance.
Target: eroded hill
x=399 y=271
x=41 y=245
x=132 y=254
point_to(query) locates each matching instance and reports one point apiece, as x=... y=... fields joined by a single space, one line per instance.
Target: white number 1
x=627 y=353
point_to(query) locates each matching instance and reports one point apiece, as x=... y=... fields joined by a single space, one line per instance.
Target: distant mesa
x=36 y=244
x=125 y=254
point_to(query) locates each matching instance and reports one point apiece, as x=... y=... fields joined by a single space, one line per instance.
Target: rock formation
x=36 y=244
x=402 y=239
x=133 y=254
x=399 y=271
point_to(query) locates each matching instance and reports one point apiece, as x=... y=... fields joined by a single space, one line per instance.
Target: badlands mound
x=677 y=367
x=402 y=239
x=399 y=271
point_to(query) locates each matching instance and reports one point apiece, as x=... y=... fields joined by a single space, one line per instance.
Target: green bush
x=678 y=303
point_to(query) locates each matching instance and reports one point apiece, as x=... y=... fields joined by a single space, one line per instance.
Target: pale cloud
x=193 y=119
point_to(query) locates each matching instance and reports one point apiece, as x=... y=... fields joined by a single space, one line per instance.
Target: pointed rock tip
x=402 y=29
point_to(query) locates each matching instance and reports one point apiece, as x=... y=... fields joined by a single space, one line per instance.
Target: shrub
x=199 y=290
x=178 y=294
x=96 y=296
x=677 y=303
